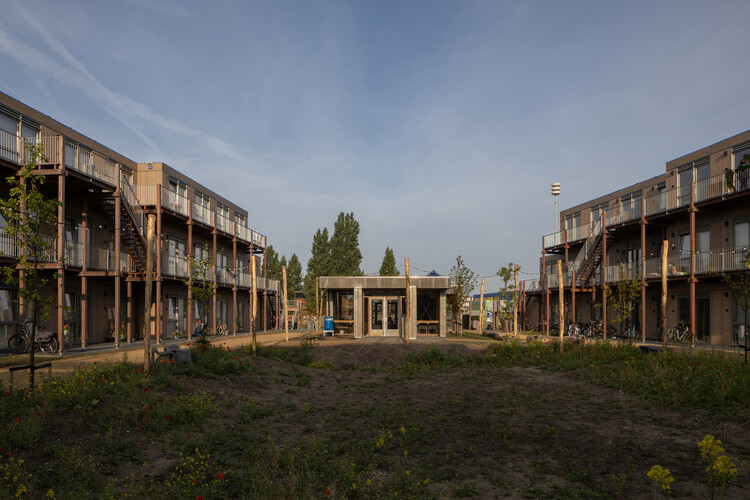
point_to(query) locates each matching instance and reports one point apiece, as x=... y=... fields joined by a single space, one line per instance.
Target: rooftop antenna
x=556 y=193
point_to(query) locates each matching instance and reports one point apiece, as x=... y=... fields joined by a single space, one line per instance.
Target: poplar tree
x=293 y=276
x=272 y=261
x=319 y=264
x=388 y=267
x=463 y=282
x=345 y=256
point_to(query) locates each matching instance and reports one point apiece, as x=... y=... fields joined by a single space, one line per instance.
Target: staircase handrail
x=127 y=194
x=588 y=245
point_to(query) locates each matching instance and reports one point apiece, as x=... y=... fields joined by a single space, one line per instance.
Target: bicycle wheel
x=18 y=344
x=54 y=345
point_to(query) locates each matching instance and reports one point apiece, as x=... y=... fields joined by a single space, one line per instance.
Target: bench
x=649 y=349
x=171 y=354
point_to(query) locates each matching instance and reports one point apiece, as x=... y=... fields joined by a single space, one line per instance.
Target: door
x=391 y=317
x=376 y=316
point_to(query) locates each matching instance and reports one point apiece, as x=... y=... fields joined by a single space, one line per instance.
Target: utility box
x=328 y=325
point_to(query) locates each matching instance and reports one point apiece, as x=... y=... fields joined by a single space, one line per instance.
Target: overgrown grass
x=401 y=453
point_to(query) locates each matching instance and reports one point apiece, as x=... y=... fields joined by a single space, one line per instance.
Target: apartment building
x=100 y=247
x=706 y=224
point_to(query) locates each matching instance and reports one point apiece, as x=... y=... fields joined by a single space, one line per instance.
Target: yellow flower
x=710 y=448
x=662 y=476
x=403 y=430
x=724 y=469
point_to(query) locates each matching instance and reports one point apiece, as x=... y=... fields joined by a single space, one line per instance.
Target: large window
x=741 y=234
x=8 y=314
x=177 y=308
x=696 y=171
x=702 y=249
x=597 y=210
x=740 y=322
x=702 y=314
x=8 y=124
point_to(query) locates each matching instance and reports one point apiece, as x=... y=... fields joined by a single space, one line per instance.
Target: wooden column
x=546 y=317
x=216 y=286
x=129 y=311
x=117 y=243
x=286 y=313
x=542 y=281
x=408 y=303
x=234 y=287
x=664 y=251
x=604 y=274
x=60 y=261
x=561 y=302
x=254 y=293
x=265 y=291
x=159 y=248
x=643 y=270
x=516 y=297
x=573 y=297
x=84 y=269
x=481 y=308
x=692 y=262
x=191 y=255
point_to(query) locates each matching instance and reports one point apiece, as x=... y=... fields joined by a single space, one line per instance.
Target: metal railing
x=175 y=202
x=50 y=148
x=224 y=224
x=579 y=232
x=203 y=214
x=596 y=230
x=8 y=245
x=73 y=252
x=175 y=265
x=89 y=162
x=259 y=240
x=9 y=146
x=553 y=240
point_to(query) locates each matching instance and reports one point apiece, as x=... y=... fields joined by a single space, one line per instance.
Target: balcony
x=174 y=201
x=88 y=162
x=176 y=266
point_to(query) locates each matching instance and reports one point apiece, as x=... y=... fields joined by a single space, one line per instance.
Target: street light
x=556 y=193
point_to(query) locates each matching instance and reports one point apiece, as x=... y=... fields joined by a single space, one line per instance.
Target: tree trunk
x=147 y=295
x=254 y=311
x=408 y=301
x=664 y=250
x=286 y=312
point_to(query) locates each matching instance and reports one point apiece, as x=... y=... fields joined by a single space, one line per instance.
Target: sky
x=440 y=124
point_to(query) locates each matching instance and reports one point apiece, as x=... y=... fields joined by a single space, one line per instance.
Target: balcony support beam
x=60 y=255
x=604 y=274
x=214 y=234
x=692 y=211
x=643 y=270
x=191 y=307
x=118 y=230
x=158 y=313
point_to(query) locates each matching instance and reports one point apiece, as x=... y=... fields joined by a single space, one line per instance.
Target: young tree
x=622 y=294
x=27 y=212
x=463 y=282
x=345 y=256
x=729 y=175
x=274 y=266
x=388 y=267
x=202 y=287
x=508 y=293
x=740 y=285
x=319 y=264
x=293 y=276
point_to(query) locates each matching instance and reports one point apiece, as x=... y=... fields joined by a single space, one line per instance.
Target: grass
x=240 y=446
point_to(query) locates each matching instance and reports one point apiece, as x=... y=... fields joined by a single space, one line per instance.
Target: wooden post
x=408 y=301
x=573 y=297
x=516 y=296
x=643 y=270
x=664 y=250
x=254 y=309
x=546 y=317
x=147 y=295
x=286 y=313
x=692 y=278
x=317 y=305
x=604 y=274
x=561 y=293
x=481 y=308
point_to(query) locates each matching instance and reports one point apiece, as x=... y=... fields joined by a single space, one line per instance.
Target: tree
x=388 y=267
x=463 y=282
x=622 y=294
x=293 y=276
x=729 y=175
x=202 y=286
x=273 y=264
x=740 y=285
x=345 y=256
x=319 y=264
x=27 y=212
x=508 y=292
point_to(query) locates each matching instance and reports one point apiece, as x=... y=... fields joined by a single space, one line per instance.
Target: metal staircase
x=131 y=227
x=590 y=255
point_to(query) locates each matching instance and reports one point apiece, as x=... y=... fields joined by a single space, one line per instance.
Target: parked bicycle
x=631 y=333
x=680 y=335
x=44 y=341
x=575 y=328
x=221 y=329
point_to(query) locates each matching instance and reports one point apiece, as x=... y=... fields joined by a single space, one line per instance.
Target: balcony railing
x=175 y=202
x=174 y=265
x=90 y=163
x=579 y=232
x=73 y=252
x=101 y=258
x=224 y=276
x=146 y=194
x=8 y=246
x=203 y=214
x=10 y=145
x=224 y=224
x=553 y=240
x=259 y=240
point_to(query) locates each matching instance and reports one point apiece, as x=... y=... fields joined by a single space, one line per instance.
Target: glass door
x=376 y=316
x=391 y=327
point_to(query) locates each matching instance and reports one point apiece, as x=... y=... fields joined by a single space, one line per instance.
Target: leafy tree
x=282 y=264
x=319 y=264
x=345 y=256
x=293 y=276
x=729 y=175
x=27 y=212
x=202 y=286
x=463 y=282
x=272 y=261
x=622 y=294
x=388 y=267
x=740 y=285
x=508 y=293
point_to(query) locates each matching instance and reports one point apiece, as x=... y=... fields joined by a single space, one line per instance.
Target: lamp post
x=556 y=193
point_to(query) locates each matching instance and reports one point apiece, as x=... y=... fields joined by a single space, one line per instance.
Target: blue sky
x=440 y=124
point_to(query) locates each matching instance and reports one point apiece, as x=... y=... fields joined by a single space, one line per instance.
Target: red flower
x=195 y=481
x=18 y=419
x=219 y=476
x=199 y=497
x=166 y=416
x=327 y=492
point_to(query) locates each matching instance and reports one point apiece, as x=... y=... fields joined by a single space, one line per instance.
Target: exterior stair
x=131 y=234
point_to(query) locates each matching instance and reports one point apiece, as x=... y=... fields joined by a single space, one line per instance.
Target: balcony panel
x=9 y=146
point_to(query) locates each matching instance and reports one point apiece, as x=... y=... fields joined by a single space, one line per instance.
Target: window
x=177 y=315
x=696 y=171
x=240 y=219
x=201 y=251
x=222 y=210
x=597 y=210
x=8 y=124
x=573 y=220
x=741 y=234
x=201 y=199
x=8 y=314
x=740 y=322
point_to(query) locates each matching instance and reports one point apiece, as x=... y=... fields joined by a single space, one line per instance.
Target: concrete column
x=358 y=303
x=412 y=312
x=442 y=306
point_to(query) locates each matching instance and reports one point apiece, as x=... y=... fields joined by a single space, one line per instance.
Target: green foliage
x=623 y=293
x=508 y=291
x=388 y=267
x=345 y=256
x=319 y=264
x=202 y=284
x=729 y=175
x=273 y=264
x=740 y=285
x=463 y=282
x=293 y=276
